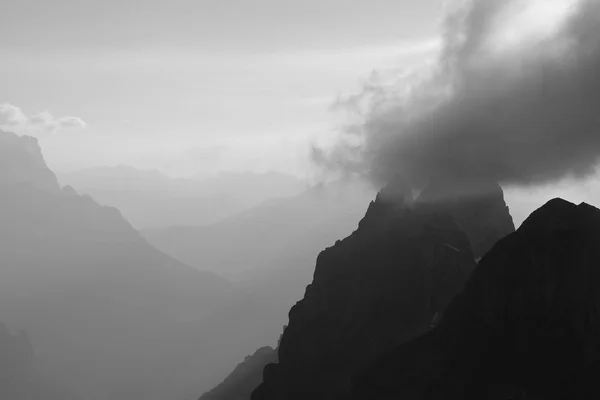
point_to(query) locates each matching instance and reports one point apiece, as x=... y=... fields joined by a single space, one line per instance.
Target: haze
x=197 y=86
x=170 y=171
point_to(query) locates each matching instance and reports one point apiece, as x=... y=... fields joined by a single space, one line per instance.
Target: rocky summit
x=479 y=210
x=21 y=162
x=388 y=282
x=526 y=326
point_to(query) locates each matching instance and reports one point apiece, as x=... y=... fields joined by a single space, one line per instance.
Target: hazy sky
x=196 y=85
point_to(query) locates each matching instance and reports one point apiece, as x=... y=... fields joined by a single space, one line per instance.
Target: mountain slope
x=526 y=325
x=19 y=378
x=269 y=235
x=149 y=199
x=384 y=284
x=270 y=250
x=245 y=377
x=105 y=310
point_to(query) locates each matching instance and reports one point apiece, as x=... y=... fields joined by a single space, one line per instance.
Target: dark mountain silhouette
x=149 y=199
x=478 y=209
x=484 y=206
x=525 y=327
x=383 y=285
x=107 y=313
x=245 y=377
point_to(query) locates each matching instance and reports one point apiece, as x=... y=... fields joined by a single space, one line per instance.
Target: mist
x=512 y=97
x=122 y=283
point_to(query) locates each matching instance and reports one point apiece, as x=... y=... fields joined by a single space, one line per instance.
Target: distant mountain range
x=109 y=316
x=431 y=298
x=148 y=199
x=269 y=251
x=382 y=285
x=270 y=235
x=400 y=309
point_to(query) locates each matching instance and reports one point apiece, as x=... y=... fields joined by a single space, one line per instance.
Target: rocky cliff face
x=245 y=377
x=526 y=326
x=478 y=209
x=386 y=283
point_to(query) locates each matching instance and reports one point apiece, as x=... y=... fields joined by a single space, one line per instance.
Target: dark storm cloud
x=514 y=97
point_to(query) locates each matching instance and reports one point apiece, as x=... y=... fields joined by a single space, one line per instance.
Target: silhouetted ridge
x=384 y=284
x=479 y=210
x=526 y=326
x=245 y=377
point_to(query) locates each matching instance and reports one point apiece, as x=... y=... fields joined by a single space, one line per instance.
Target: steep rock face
x=245 y=377
x=384 y=284
x=478 y=209
x=526 y=326
x=21 y=161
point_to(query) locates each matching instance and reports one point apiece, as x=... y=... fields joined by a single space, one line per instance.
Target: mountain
x=21 y=161
x=108 y=314
x=269 y=251
x=269 y=235
x=478 y=209
x=526 y=325
x=149 y=199
x=19 y=378
x=384 y=284
x=245 y=377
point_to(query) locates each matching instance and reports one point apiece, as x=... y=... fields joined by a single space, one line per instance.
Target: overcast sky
x=190 y=86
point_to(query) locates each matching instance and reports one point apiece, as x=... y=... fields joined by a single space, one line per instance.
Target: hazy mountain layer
x=108 y=314
x=19 y=377
x=149 y=199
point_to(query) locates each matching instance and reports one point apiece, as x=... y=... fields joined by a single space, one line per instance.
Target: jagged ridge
x=526 y=326
x=381 y=286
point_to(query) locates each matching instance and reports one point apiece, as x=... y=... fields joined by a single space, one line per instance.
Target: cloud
x=514 y=96
x=14 y=119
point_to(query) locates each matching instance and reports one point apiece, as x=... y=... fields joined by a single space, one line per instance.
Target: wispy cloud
x=361 y=57
x=14 y=119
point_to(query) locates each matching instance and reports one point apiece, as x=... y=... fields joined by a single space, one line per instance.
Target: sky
x=196 y=86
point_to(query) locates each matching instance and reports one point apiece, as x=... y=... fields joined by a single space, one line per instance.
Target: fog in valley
x=171 y=174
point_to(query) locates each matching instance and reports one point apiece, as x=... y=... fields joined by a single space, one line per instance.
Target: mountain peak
x=478 y=208
x=559 y=213
x=22 y=162
x=526 y=325
x=384 y=284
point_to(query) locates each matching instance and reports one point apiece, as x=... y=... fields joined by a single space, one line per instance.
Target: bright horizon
x=198 y=86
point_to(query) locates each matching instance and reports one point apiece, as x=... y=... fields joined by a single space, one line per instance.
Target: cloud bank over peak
x=513 y=96
x=14 y=119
